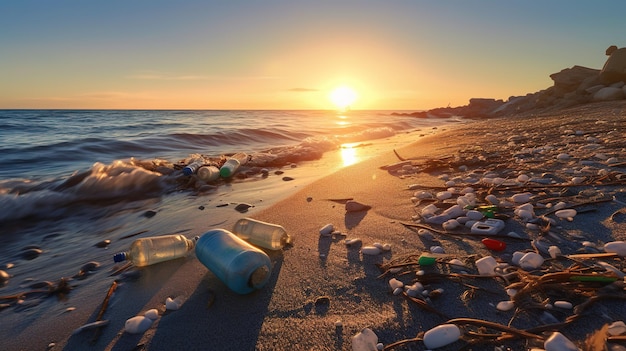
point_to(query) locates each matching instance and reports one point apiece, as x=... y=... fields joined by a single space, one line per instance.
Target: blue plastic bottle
x=241 y=266
x=192 y=168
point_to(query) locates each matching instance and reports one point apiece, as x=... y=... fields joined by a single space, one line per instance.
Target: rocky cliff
x=572 y=86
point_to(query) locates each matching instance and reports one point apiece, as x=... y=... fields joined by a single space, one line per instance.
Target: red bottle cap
x=493 y=244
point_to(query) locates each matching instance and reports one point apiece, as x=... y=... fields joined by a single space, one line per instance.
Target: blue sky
x=279 y=54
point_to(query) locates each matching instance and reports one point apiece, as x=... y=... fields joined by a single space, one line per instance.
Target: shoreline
x=323 y=292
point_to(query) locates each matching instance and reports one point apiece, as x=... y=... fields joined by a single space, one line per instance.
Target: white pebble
x=568 y=213
x=172 y=304
x=521 y=197
x=386 y=247
x=618 y=247
x=486 y=265
x=365 y=340
x=327 y=230
x=352 y=241
x=563 y=304
x=443 y=195
x=617 y=328
x=137 y=325
x=426 y=234
x=563 y=157
x=505 y=305
x=395 y=283
x=474 y=215
x=554 y=251
x=530 y=261
x=152 y=314
x=522 y=178
x=492 y=199
x=437 y=249
x=370 y=250
x=558 y=342
x=397 y=291
x=511 y=292
x=441 y=335
x=450 y=224
x=338 y=323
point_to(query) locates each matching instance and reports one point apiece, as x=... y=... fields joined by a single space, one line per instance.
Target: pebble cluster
x=537 y=179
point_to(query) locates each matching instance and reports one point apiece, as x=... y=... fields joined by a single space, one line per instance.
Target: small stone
x=137 y=325
x=4 y=277
x=173 y=304
x=530 y=261
x=103 y=243
x=558 y=342
x=243 y=207
x=365 y=340
x=153 y=314
x=149 y=213
x=353 y=241
x=395 y=283
x=564 y=214
x=563 y=304
x=441 y=335
x=354 y=206
x=288 y=179
x=617 y=328
x=370 y=250
x=437 y=249
x=505 y=306
x=31 y=253
x=486 y=265
x=618 y=247
x=327 y=230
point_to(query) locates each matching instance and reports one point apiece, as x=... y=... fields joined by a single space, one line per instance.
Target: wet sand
x=323 y=292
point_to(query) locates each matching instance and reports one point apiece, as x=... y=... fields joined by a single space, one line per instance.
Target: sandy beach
x=322 y=292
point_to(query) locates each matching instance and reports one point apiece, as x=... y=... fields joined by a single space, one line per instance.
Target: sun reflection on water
x=349 y=154
x=343 y=120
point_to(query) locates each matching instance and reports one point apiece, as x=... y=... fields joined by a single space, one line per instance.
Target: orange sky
x=278 y=54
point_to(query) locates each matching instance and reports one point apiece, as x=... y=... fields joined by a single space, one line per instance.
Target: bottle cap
x=119 y=257
x=259 y=277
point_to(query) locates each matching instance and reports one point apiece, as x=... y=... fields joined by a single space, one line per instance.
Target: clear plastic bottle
x=232 y=164
x=208 y=173
x=192 y=167
x=268 y=235
x=147 y=251
x=241 y=266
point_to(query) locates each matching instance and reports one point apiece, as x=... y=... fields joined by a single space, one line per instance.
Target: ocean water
x=70 y=180
x=51 y=159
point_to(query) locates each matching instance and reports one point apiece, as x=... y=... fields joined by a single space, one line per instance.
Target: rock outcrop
x=572 y=86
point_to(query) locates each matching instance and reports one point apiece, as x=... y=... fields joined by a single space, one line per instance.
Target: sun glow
x=343 y=97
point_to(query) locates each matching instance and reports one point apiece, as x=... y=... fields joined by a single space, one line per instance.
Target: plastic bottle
x=147 y=251
x=232 y=164
x=208 y=173
x=241 y=266
x=192 y=167
x=268 y=235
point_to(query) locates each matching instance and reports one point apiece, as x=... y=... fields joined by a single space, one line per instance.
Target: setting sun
x=343 y=97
